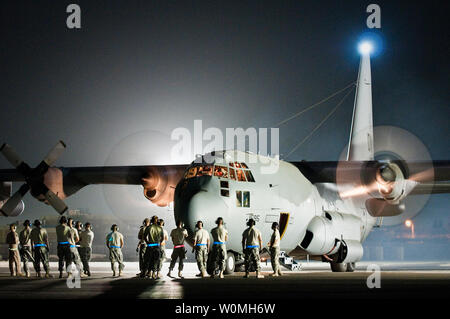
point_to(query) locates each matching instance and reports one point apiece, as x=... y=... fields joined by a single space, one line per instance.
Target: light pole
x=409 y=223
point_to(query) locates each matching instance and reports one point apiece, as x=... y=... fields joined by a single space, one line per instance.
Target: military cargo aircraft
x=324 y=209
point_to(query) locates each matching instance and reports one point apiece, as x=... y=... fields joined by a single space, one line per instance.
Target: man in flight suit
x=274 y=249
x=141 y=244
x=114 y=241
x=201 y=247
x=86 y=239
x=25 y=247
x=153 y=236
x=251 y=245
x=12 y=239
x=219 y=249
x=39 y=240
x=178 y=235
x=63 y=248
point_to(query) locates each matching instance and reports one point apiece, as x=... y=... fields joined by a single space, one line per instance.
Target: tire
x=338 y=267
x=230 y=264
x=351 y=267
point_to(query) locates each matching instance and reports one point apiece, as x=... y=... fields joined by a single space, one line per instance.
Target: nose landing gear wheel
x=230 y=263
x=338 y=267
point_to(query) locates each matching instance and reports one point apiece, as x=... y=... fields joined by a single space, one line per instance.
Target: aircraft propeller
x=34 y=179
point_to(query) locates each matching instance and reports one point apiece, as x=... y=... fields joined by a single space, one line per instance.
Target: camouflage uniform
x=142 y=247
x=115 y=250
x=275 y=251
x=219 y=249
x=179 y=252
x=12 y=239
x=25 y=250
x=39 y=239
x=163 y=249
x=86 y=239
x=74 y=255
x=63 y=249
x=201 y=248
x=251 y=253
x=153 y=236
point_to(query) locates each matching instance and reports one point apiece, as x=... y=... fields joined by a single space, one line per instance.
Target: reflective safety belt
x=178 y=246
x=73 y=246
x=253 y=246
x=200 y=245
x=114 y=246
x=12 y=248
x=63 y=242
x=152 y=245
x=40 y=245
x=218 y=243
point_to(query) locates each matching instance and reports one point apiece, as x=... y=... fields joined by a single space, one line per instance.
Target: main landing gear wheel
x=351 y=267
x=230 y=263
x=338 y=267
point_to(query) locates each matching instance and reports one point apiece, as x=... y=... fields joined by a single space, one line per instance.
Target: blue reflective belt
x=201 y=245
x=152 y=245
x=63 y=242
x=73 y=246
x=114 y=246
x=218 y=243
x=253 y=246
x=40 y=245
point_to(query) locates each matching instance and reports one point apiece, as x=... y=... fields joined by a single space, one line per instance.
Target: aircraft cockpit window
x=238 y=198
x=205 y=170
x=249 y=176
x=221 y=171
x=246 y=199
x=232 y=176
x=243 y=165
x=240 y=175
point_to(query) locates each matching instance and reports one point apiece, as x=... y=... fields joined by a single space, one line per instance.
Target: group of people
x=75 y=248
x=153 y=237
x=32 y=245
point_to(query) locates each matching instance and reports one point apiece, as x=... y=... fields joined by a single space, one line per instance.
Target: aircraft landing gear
x=342 y=267
x=230 y=263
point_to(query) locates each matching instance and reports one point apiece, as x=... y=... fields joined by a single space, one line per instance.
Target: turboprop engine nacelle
x=326 y=234
x=391 y=183
x=5 y=194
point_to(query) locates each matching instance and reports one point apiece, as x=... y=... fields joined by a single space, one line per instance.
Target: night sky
x=136 y=67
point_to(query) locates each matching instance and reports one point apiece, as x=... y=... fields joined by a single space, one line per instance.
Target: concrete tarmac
x=397 y=281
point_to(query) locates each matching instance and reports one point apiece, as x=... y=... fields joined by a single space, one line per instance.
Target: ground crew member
x=178 y=235
x=219 y=249
x=274 y=249
x=163 y=245
x=141 y=244
x=73 y=238
x=39 y=240
x=79 y=228
x=201 y=247
x=153 y=236
x=251 y=245
x=86 y=239
x=12 y=239
x=114 y=241
x=63 y=248
x=25 y=247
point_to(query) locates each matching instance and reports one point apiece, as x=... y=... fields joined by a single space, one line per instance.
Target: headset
x=251 y=222
x=198 y=223
x=220 y=219
x=114 y=227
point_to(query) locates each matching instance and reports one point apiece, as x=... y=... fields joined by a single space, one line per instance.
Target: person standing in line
x=12 y=239
x=219 y=248
x=25 y=247
x=178 y=236
x=274 y=249
x=114 y=241
x=201 y=248
x=86 y=239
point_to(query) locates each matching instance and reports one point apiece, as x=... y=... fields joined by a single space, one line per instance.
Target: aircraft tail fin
x=360 y=146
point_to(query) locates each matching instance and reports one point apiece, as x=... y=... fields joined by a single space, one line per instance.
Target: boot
x=180 y=274
x=38 y=274
x=114 y=273
x=246 y=274
x=159 y=275
x=169 y=274
x=27 y=274
x=204 y=274
x=221 y=274
x=279 y=273
x=47 y=275
x=60 y=274
x=89 y=273
x=199 y=274
x=19 y=274
x=258 y=275
x=153 y=275
x=120 y=273
x=275 y=274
